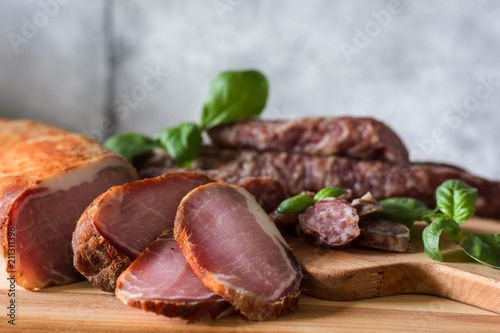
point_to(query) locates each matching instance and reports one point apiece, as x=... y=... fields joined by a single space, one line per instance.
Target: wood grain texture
x=80 y=307
x=357 y=273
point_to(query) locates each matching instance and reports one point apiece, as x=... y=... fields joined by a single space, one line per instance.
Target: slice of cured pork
x=47 y=178
x=237 y=251
x=160 y=280
x=123 y=221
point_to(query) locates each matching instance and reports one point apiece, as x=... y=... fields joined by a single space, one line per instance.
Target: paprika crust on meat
x=47 y=178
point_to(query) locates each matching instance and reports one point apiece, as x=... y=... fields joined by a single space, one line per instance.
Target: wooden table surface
x=81 y=308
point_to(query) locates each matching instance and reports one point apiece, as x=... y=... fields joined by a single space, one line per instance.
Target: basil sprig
x=295 y=204
x=233 y=95
x=182 y=143
x=455 y=204
x=404 y=211
x=301 y=202
x=328 y=192
x=456 y=200
x=130 y=145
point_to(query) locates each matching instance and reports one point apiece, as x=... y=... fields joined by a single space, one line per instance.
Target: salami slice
x=367 y=205
x=161 y=281
x=383 y=235
x=331 y=222
x=237 y=251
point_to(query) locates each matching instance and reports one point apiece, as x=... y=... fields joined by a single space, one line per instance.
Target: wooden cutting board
x=359 y=273
x=81 y=307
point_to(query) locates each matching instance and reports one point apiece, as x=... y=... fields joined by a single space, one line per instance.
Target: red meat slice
x=123 y=221
x=160 y=280
x=237 y=251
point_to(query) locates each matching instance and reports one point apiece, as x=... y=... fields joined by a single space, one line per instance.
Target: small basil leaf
x=329 y=192
x=456 y=199
x=182 y=143
x=130 y=145
x=484 y=248
x=234 y=95
x=432 y=233
x=295 y=204
x=404 y=210
x=453 y=231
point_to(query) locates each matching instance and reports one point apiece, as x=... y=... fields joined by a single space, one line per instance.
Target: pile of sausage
x=307 y=155
x=360 y=154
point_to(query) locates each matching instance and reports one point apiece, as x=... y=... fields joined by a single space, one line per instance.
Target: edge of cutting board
x=357 y=273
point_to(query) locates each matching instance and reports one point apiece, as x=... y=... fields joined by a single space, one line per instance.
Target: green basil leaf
x=432 y=233
x=456 y=199
x=295 y=204
x=484 y=248
x=234 y=95
x=182 y=143
x=403 y=210
x=329 y=192
x=130 y=145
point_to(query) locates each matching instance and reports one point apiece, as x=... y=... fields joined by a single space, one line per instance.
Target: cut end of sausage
x=384 y=235
x=237 y=251
x=123 y=221
x=331 y=222
x=161 y=281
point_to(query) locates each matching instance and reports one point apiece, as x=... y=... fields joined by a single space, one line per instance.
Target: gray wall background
x=429 y=69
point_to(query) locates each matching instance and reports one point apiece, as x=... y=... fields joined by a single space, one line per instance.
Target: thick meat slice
x=160 y=280
x=268 y=191
x=363 y=138
x=299 y=172
x=47 y=178
x=237 y=251
x=331 y=222
x=383 y=235
x=123 y=221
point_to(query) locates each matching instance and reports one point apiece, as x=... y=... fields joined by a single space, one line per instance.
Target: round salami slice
x=331 y=222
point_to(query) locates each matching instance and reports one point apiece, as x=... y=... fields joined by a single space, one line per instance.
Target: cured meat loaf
x=123 y=221
x=300 y=172
x=47 y=178
x=362 y=138
x=161 y=281
x=237 y=251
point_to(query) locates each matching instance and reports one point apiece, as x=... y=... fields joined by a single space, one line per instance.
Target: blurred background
x=429 y=69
